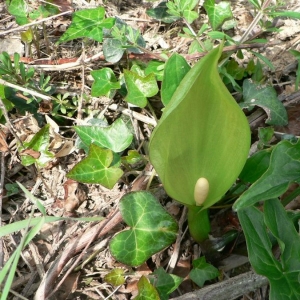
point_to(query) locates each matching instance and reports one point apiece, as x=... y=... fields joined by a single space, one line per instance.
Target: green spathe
x=202 y=133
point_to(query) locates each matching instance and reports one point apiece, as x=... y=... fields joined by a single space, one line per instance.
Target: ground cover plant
x=150 y=151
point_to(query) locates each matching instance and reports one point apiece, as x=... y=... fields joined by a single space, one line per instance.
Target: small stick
x=23 y=27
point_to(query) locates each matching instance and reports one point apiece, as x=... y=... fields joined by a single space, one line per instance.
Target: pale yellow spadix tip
x=201 y=190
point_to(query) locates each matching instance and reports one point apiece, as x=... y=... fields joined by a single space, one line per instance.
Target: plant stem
x=199 y=224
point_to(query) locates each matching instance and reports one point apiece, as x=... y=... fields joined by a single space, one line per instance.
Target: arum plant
x=201 y=142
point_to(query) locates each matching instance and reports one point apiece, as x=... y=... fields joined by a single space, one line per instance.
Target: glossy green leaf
x=105 y=81
x=175 y=70
x=139 y=88
x=87 y=23
x=146 y=290
x=116 y=137
x=36 y=151
x=217 y=13
x=284 y=169
x=152 y=229
x=115 y=277
x=156 y=67
x=256 y=166
x=283 y=273
x=197 y=134
x=202 y=271
x=96 y=168
x=165 y=283
x=266 y=98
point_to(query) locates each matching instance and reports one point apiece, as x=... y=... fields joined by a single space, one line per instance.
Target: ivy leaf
x=283 y=273
x=115 y=277
x=18 y=9
x=88 y=23
x=36 y=151
x=165 y=283
x=266 y=98
x=152 y=229
x=113 y=50
x=96 y=168
x=116 y=137
x=175 y=69
x=284 y=169
x=105 y=80
x=160 y=13
x=139 y=88
x=146 y=290
x=217 y=13
x=203 y=271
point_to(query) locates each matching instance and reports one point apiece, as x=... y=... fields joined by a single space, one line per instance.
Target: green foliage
x=23 y=13
x=116 y=137
x=217 y=13
x=195 y=115
x=183 y=9
x=165 y=283
x=15 y=72
x=152 y=229
x=266 y=98
x=175 y=69
x=88 y=23
x=146 y=290
x=202 y=271
x=36 y=151
x=98 y=167
x=115 y=277
x=284 y=168
x=283 y=273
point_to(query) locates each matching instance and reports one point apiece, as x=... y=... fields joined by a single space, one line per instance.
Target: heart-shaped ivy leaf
x=139 y=88
x=116 y=137
x=217 y=13
x=152 y=229
x=105 y=80
x=96 y=168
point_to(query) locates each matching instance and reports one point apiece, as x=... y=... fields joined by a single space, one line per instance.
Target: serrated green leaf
x=116 y=137
x=115 y=277
x=165 y=283
x=284 y=169
x=266 y=98
x=175 y=70
x=146 y=290
x=202 y=271
x=96 y=168
x=196 y=134
x=217 y=13
x=152 y=229
x=105 y=81
x=87 y=23
x=139 y=88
